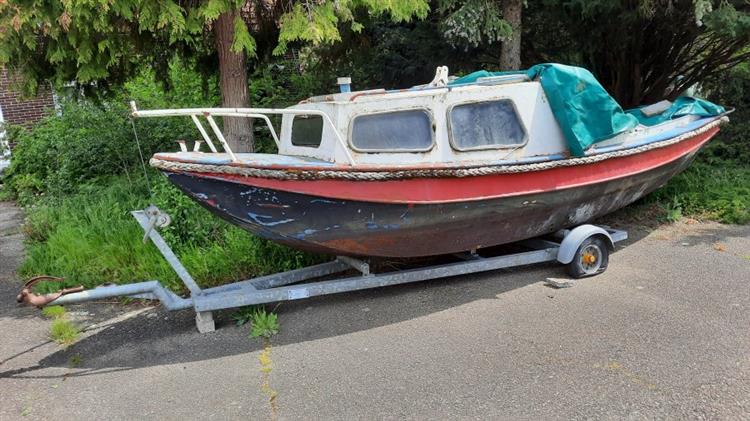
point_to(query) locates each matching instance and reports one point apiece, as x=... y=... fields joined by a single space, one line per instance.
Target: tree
x=100 y=43
x=643 y=51
x=510 y=49
x=475 y=23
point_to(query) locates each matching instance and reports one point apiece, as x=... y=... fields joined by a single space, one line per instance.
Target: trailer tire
x=591 y=258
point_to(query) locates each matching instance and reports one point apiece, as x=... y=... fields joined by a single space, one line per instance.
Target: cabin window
x=485 y=125
x=400 y=131
x=307 y=130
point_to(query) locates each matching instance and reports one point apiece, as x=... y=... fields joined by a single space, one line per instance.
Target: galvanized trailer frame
x=286 y=285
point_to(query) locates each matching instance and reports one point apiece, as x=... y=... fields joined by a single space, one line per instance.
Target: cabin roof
x=414 y=91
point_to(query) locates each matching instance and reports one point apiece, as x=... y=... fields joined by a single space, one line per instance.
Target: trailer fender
x=578 y=235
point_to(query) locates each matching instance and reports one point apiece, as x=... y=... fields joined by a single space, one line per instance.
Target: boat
x=455 y=165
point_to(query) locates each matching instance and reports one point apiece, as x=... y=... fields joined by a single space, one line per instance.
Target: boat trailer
x=585 y=249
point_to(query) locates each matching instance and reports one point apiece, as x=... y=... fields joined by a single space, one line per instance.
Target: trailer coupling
x=27 y=296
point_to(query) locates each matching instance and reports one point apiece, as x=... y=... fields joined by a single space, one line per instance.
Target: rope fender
x=353 y=175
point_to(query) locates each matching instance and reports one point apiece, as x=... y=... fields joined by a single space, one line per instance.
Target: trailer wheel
x=590 y=259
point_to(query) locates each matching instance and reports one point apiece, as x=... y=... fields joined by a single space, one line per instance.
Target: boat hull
x=399 y=227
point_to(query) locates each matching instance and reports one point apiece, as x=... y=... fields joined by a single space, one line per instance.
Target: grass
x=5 y=194
x=53 y=312
x=704 y=191
x=264 y=324
x=75 y=361
x=63 y=331
x=90 y=238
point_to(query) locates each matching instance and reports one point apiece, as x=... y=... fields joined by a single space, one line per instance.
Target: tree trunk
x=233 y=84
x=510 y=50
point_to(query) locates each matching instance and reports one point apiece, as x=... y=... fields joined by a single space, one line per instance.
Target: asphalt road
x=664 y=333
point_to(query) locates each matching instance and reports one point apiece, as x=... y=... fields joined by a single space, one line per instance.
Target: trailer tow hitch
x=26 y=295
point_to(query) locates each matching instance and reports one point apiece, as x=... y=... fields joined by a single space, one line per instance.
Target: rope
x=143 y=161
x=459 y=172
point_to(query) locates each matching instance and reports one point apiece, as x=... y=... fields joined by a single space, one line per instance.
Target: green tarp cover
x=585 y=111
x=681 y=106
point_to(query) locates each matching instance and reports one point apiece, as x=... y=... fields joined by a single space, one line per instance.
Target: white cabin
x=503 y=119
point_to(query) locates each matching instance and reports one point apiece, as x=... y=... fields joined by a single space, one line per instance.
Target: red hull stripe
x=441 y=190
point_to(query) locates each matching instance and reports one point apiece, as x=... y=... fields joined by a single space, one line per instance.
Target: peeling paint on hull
x=361 y=228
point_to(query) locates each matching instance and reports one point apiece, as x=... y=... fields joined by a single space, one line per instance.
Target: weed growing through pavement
x=264 y=325
x=75 y=361
x=62 y=330
x=53 y=312
x=243 y=315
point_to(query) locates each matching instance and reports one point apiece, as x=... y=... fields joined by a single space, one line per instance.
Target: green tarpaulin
x=681 y=106
x=585 y=111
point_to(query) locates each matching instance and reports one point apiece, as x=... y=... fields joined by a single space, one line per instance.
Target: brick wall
x=18 y=110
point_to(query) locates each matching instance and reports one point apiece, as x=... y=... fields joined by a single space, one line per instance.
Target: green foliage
x=666 y=47
x=101 y=41
x=12 y=133
x=717 y=192
x=316 y=23
x=85 y=142
x=471 y=23
x=53 y=312
x=90 y=238
x=79 y=174
x=243 y=315
x=674 y=211
x=717 y=185
x=184 y=88
x=75 y=361
x=25 y=188
x=733 y=141
x=242 y=41
x=265 y=324
x=63 y=331
x=96 y=43
x=5 y=194
x=391 y=56
x=89 y=140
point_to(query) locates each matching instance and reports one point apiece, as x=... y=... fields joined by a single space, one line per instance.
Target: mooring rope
x=456 y=172
x=140 y=152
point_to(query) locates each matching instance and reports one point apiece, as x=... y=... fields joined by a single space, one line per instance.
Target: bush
x=732 y=144
x=717 y=185
x=89 y=139
x=85 y=142
x=716 y=192
x=79 y=174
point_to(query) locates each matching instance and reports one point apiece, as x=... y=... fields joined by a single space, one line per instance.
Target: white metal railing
x=261 y=113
